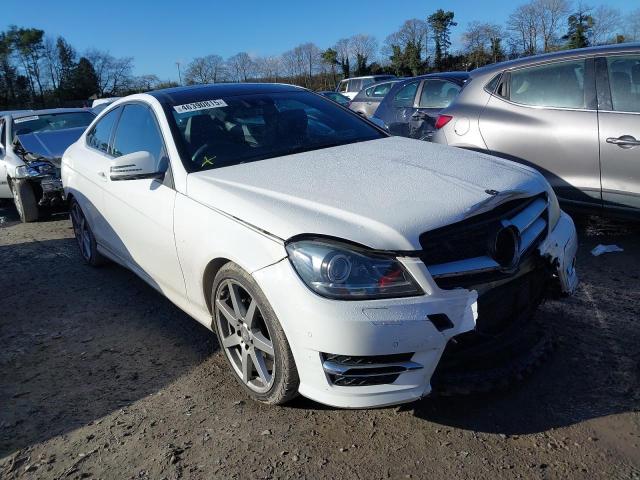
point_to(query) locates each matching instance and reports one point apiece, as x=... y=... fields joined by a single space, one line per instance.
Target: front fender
x=203 y=234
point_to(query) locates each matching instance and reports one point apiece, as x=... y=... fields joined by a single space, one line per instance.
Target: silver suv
x=573 y=115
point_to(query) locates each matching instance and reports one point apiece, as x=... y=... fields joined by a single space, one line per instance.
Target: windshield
x=50 y=122
x=220 y=132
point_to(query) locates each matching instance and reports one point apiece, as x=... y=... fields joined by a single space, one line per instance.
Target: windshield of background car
x=50 y=122
x=220 y=132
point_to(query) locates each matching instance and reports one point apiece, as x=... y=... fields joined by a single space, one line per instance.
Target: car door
x=139 y=212
x=546 y=116
x=402 y=106
x=89 y=165
x=618 y=80
x=434 y=94
x=5 y=191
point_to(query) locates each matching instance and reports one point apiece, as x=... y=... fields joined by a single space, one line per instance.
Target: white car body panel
x=245 y=213
x=402 y=195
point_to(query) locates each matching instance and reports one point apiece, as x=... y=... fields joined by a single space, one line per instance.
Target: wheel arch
x=210 y=272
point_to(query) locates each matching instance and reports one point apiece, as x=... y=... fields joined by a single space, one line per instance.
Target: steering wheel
x=199 y=152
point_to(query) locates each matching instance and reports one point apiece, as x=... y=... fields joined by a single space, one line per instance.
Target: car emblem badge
x=506 y=246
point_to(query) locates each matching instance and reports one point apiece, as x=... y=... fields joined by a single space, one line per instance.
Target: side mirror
x=137 y=166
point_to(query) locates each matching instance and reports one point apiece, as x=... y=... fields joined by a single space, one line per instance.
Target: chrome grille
x=463 y=253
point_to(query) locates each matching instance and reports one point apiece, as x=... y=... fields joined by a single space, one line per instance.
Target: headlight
x=554 y=208
x=22 y=171
x=341 y=271
x=35 y=169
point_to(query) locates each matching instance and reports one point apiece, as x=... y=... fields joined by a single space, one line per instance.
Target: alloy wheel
x=81 y=231
x=16 y=201
x=244 y=336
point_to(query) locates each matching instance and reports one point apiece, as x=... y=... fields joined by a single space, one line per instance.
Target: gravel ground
x=101 y=377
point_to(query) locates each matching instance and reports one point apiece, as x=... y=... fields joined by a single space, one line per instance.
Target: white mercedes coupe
x=331 y=259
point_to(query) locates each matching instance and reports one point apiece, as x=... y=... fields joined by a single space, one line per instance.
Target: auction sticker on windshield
x=204 y=105
x=26 y=119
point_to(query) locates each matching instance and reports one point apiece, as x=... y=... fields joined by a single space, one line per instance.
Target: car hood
x=50 y=144
x=382 y=193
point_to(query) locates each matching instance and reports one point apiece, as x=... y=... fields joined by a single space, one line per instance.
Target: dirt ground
x=101 y=377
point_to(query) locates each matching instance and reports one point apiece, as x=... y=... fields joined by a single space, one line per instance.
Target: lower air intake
x=358 y=371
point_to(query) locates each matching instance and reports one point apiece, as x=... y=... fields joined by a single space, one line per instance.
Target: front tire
x=25 y=200
x=251 y=338
x=84 y=236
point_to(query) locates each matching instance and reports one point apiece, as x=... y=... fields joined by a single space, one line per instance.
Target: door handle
x=625 y=141
x=103 y=176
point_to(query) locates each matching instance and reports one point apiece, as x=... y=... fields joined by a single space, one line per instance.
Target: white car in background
x=332 y=260
x=349 y=87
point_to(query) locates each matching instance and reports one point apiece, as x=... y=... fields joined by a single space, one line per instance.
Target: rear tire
x=25 y=201
x=84 y=236
x=251 y=338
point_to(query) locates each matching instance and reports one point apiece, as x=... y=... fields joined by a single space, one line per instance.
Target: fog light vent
x=440 y=321
x=350 y=370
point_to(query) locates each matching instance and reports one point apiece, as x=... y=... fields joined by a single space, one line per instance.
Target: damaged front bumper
x=360 y=354
x=45 y=178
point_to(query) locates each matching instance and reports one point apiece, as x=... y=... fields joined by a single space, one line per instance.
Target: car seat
x=292 y=127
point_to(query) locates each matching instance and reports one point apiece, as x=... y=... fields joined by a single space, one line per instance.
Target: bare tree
x=525 y=24
x=343 y=54
x=364 y=48
x=52 y=61
x=144 y=83
x=632 y=26
x=482 y=43
x=268 y=68
x=551 y=16
x=241 y=66
x=607 y=22
x=114 y=74
x=209 y=69
x=312 y=58
x=414 y=31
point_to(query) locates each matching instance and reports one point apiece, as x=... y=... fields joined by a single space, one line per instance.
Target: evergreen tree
x=441 y=23
x=84 y=80
x=580 y=25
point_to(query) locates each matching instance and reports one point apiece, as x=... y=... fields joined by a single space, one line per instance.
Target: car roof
x=194 y=93
x=31 y=113
x=544 y=57
x=388 y=76
x=461 y=76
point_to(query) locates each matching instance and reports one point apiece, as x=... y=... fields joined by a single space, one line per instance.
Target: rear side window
x=382 y=89
x=624 y=81
x=100 y=134
x=367 y=81
x=554 y=85
x=438 y=93
x=138 y=131
x=355 y=85
x=343 y=86
x=2 y=132
x=406 y=96
x=493 y=84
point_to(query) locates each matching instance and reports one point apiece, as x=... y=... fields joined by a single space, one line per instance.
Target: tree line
x=37 y=70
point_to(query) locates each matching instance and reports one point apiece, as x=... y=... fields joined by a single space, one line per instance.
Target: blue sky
x=157 y=33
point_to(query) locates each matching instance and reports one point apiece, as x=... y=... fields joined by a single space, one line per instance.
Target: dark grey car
x=367 y=100
x=573 y=115
x=412 y=106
